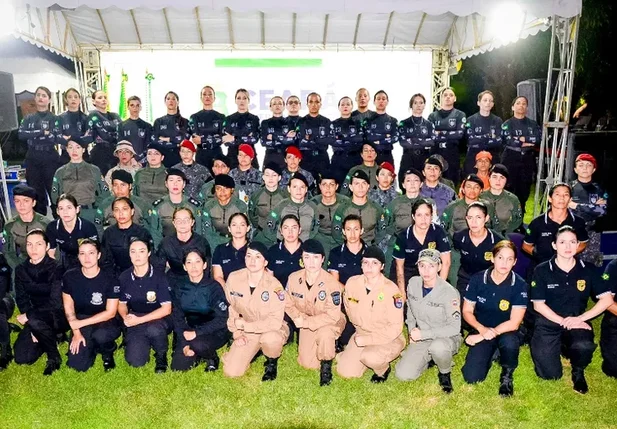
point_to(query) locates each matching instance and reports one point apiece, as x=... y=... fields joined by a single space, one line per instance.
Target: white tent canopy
x=28 y=73
x=463 y=27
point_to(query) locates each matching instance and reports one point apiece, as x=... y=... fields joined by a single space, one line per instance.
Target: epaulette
x=195 y=202
x=157 y=202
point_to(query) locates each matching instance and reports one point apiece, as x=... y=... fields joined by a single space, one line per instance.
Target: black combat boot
x=52 y=366
x=212 y=364
x=270 y=369
x=506 y=382
x=381 y=378
x=445 y=382
x=578 y=378
x=6 y=356
x=160 y=363
x=325 y=373
x=108 y=362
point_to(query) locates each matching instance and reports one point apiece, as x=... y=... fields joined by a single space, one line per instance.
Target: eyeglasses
x=293 y=102
x=183 y=221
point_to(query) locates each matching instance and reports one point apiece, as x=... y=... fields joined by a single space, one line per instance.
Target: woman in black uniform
x=285 y=257
x=241 y=127
x=423 y=234
x=276 y=133
x=172 y=249
x=475 y=244
x=42 y=160
x=73 y=124
x=170 y=130
x=90 y=297
x=206 y=129
x=345 y=261
x=495 y=304
x=560 y=291
x=348 y=140
x=199 y=316
x=65 y=232
x=229 y=257
x=38 y=292
x=483 y=131
x=416 y=136
x=102 y=130
x=145 y=304
x=116 y=237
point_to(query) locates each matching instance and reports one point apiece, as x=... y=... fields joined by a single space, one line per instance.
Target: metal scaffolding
x=440 y=76
x=557 y=106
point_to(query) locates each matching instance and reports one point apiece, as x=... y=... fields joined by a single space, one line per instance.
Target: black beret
x=313 y=246
x=500 y=169
x=222 y=158
x=258 y=247
x=374 y=252
x=432 y=160
x=328 y=175
x=360 y=174
x=24 y=191
x=176 y=172
x=123 y=176
x=475 y=179
x=299 y=176
x=224 y=180
x=415 y=173
x=158 y=147
x=274 y=167
x=371 y=144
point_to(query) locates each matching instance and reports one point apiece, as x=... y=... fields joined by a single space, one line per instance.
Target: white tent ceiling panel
x=246 y=27
x=183 y=26
x=86 y=26
x=278 y=28
x=215 y=27
x=152 y=26
x=122 y=24
x=309 y=28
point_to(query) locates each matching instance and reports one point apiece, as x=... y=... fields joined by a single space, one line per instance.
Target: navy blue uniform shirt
x=494 y=302
x=143 y=295
x=90 y=295
x=345 y=263
x=229 y=258
x=207 y=124
x=475 y=258
x=408 y=247
x=541 y=233
x=282 y=263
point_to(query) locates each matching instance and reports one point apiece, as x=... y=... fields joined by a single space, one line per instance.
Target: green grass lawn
x=137 y=398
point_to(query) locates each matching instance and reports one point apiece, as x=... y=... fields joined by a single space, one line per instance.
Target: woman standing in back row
x=102 y=130
x=206 y=129
x=170 y=130
x=241 y=127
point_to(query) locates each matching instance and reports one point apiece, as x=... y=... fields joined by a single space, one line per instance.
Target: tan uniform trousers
x=318 y=345
x=238 y=359
x=354 y=361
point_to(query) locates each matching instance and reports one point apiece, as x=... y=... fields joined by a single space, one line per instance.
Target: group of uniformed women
x=143 y=289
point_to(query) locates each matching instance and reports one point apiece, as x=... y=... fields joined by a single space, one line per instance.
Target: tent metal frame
x=555 y=144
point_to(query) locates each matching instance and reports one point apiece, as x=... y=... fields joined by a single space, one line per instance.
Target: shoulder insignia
x=194 y=201
x=605 y=276
x=157 y=202
x=533 y=283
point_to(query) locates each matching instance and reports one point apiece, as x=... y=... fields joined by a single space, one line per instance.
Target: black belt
x=339 y=151
x=210 y=146
x=313 y=152
x=416 y=149
x=104 y=143
x=87 y=206
x=44 y=148
x=274 y=150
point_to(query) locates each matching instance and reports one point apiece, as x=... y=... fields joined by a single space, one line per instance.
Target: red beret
x=587 y=157
x=387 y=166
x=189 y=145
x=247 y=149
x=292 y=150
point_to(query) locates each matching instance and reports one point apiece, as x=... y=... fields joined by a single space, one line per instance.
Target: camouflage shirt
x=215 y=220
x=508 y=210
x=149 y=184
x=14 y=237
x=247 y=182
x=197 y=176
x=381 y=197
x=161 y=216
x=286 y=177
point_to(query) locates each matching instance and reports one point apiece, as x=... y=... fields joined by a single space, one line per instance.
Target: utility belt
x=273 y=150
x=447 y=145
x=345 y=152
x=312 y=152
x=43 y=148
x=210 y=146
x=416 y=150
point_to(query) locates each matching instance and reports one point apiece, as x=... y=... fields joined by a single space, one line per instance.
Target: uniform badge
x=432 y=245
x=116 y=289
x=605 y=276
x=223 y=306
x=398 y=300
x=281 y=294
x=97 y=298
x=300 y=280
x=380 y=296
x=265 y=296
x=533 y=283
x=151 y=296
x=504 y=305
x=456 y=315
x=322 y=295
x=488 y=256
x=452 y=122
x=336 y=298
x=580 y=285
x=301 y=263
x=141 y=133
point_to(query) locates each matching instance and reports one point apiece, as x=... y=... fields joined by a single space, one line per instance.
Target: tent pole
x=555 y=144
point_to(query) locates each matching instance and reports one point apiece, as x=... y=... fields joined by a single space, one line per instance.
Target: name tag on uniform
x=297 y=295
x=234 y=293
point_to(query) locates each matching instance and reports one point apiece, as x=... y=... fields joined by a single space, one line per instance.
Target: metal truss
x=440 y=75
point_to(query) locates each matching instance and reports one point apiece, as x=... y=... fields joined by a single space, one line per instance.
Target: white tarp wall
x=29 y=73
x=332 y=74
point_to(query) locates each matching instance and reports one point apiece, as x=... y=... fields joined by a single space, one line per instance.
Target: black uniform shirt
x=541 y=232
x=67 y=242
x=143 y=295
x=408 y=247
x=116 y=244
x=138 y=132
x=610 y=275
x=72 y=124
x=493 y=303
x=229 y=258
x=244 y=127
x=90 y=295
x=278 y=129
x=567 y=294
x=173 y=126
x=200 y=307
x=345 y=263
x=172 y=251
x=282 y=263
x=207 y=124
x=314 y=133
x=38 y=287
x=475 y=258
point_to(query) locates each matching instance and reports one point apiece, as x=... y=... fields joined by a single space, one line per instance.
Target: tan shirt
x=377 y=314
x=262 y=311
x=318 y=306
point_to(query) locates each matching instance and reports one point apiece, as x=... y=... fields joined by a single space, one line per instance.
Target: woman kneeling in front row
x=495 y=303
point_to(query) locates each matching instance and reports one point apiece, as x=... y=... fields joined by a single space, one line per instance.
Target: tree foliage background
x=501 y=69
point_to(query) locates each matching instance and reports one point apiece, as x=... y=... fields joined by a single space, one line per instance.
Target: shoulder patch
x=605 y=276
x=157 y=202
x=336 y=298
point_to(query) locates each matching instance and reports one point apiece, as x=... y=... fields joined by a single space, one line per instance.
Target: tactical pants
x=315 y=162
x=204 y=346
x=416 y=358
x=318 y=345
x=102 y=155
x=412 y=158
x=140 y=338
x=355 y=360
x=205 y=157
x=450 y=153
x=550 y=340
x=480 y=357
x=41 y=165
x=44 y=325
x=100 y=338
x=521 y=168
x=608 y=344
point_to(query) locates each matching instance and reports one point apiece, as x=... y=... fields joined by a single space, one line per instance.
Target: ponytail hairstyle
x=181 y=122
